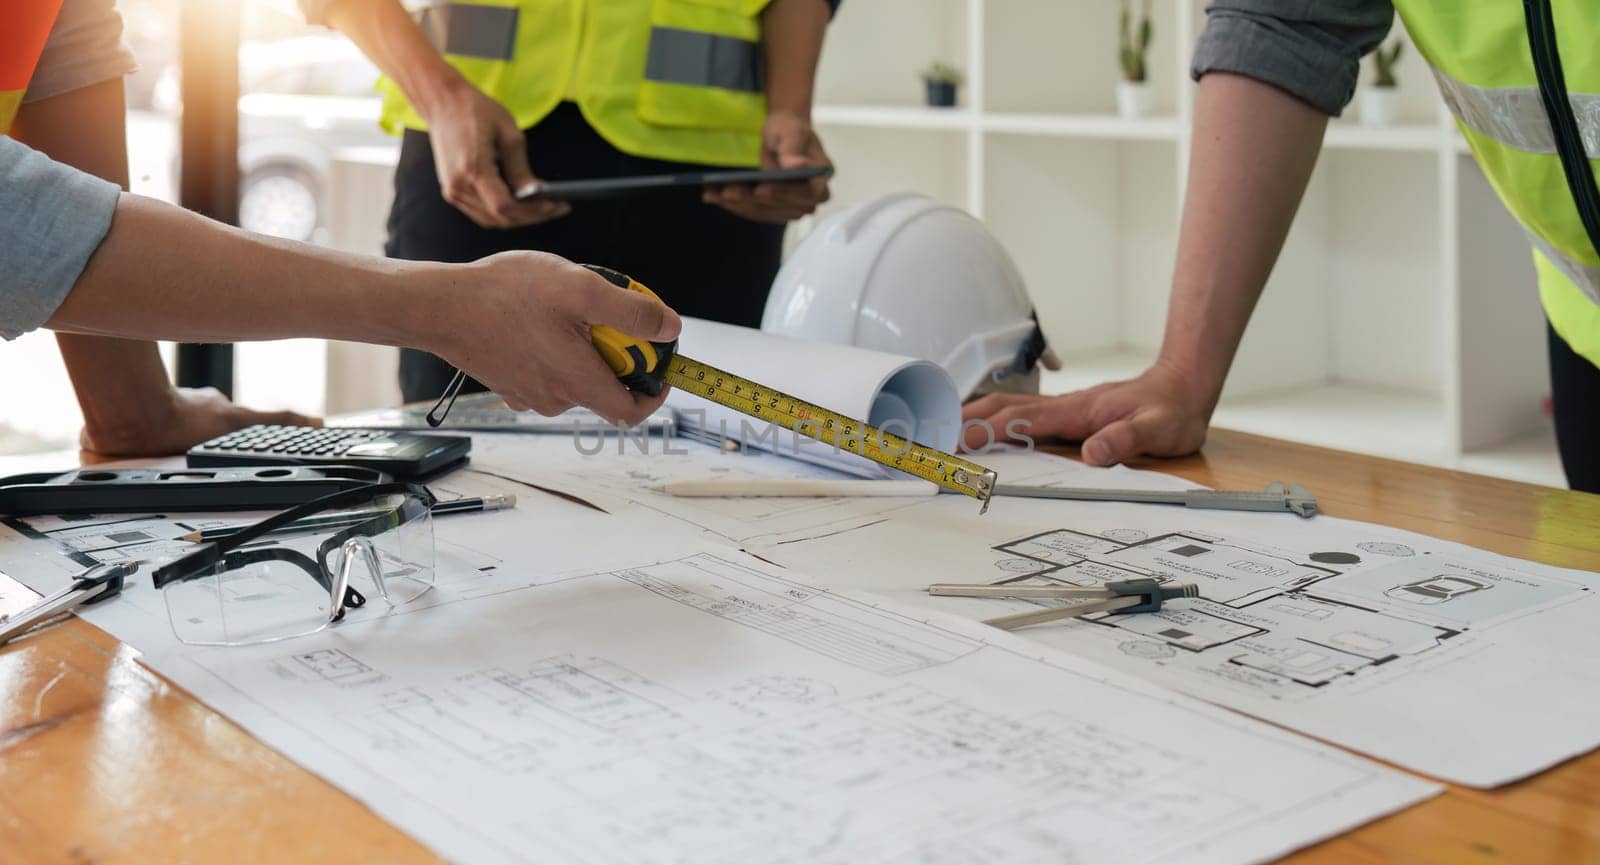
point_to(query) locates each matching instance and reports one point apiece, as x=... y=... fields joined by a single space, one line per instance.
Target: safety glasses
x=248 y=589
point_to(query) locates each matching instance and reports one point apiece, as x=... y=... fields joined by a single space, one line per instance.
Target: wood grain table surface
x=103 y=761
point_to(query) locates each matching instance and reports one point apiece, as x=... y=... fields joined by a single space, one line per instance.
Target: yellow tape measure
x=647 y=366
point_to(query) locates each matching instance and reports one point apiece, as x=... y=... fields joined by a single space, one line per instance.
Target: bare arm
x=130 y=407
x=519 y=322
x=1254 y=149
x=791 y=39
x=478 y=149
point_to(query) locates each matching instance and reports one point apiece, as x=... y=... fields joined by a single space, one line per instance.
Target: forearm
x=386 y=33
x=1254 y=148
x=120 y=384
x=165 y=273
x=792 y=32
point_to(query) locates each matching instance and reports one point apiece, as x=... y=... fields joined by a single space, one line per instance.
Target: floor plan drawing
x=717 y=709
x=336 y=666
x=1302 y=623
x=1326 y=628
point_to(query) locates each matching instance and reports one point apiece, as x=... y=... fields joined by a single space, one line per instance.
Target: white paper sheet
x=1459 y=663
x=590 y=688
x=700 y=705
x=486 y=412
x=621 y=473
x=902 y=394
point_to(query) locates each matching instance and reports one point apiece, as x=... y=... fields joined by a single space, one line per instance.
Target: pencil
x=331 y=521
x=794 y=488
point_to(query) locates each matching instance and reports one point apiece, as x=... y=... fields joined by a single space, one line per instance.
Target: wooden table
x=103 y=761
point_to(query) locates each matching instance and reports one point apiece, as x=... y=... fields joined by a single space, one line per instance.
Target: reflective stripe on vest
x=1585 y=277
x=677 y=80
x=24 y=28
x=1480 y=58
x=472 y=30
x=703 y=60
x=1514 y=116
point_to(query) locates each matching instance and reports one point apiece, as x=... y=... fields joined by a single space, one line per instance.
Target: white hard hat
x=907 y=275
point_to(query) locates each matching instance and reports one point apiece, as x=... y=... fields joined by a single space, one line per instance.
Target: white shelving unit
x=1402 y=319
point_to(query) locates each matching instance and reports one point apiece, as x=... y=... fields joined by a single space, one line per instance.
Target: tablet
x=579 y=190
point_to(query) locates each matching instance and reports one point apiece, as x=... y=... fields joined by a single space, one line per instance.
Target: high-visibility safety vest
x=24 y=27
x=679 y=80
x=1500 y=66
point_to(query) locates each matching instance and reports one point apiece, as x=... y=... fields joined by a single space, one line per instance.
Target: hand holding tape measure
x=648 y=367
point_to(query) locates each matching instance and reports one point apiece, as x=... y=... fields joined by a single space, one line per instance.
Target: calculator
x=405 y=455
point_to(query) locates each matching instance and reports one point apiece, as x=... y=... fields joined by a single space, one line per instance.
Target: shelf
x=893 y=117
x=1107 y=126
x=1383 y=423
x=1530 y=458
x=1077 y=373
x=1419 y=137
x=1096 y=126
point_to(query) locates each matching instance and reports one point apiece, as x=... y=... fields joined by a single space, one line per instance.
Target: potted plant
x=1377 y=98
x=1133 y=91
x=942 y=80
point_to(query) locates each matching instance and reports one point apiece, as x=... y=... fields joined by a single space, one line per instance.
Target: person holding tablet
x=489 y=99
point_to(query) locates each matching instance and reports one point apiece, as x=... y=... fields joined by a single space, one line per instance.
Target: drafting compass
x=1143 y=595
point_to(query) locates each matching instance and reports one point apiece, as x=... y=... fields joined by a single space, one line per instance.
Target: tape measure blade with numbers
x=647 y=366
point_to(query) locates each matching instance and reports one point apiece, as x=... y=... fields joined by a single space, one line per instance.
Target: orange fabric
x=24 y=26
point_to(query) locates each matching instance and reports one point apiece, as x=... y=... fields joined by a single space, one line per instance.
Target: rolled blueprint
x=898 y=394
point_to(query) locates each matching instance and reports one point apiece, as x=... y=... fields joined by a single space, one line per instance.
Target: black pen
x=329 y=521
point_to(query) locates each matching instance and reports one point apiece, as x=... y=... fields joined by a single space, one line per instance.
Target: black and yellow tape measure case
x=637 y=363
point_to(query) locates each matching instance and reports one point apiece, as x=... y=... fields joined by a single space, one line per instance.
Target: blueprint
x=1329 y=627
x=711 y=708
x=583 y=687
x=621 y=475
x=1455 y=662
x=14 y=596
x=618 y=473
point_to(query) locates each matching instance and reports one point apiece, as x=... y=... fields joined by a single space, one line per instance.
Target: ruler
x=1278 y=496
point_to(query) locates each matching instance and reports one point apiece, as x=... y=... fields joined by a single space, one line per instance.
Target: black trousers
x=701 y=260
x=1575 y=390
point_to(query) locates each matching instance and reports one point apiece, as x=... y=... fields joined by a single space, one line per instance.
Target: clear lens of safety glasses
x=391 y=556
x=277 y=581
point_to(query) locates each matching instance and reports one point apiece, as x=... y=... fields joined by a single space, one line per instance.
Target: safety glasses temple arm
x=389 y=520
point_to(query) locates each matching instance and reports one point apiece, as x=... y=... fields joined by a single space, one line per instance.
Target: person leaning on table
x=488 y=97
x=80 y=256
x=1270 y=74
x=72 y=110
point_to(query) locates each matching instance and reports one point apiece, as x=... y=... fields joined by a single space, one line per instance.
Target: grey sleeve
x=52 y=218
x=1310 y=48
